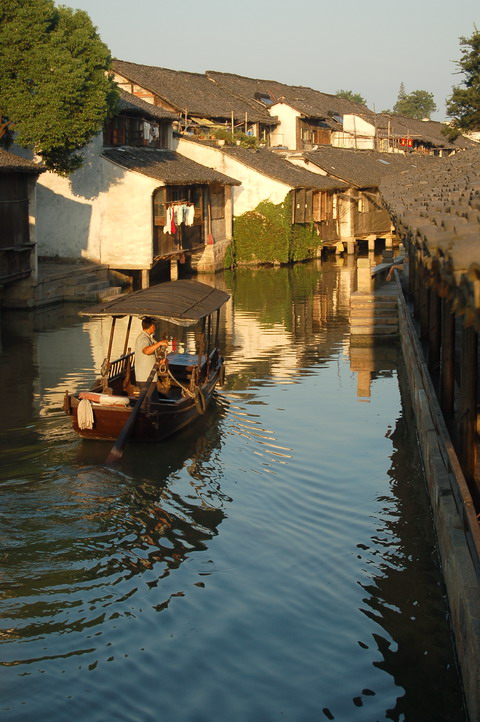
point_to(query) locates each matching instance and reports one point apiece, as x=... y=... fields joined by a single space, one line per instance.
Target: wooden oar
x=116 y=451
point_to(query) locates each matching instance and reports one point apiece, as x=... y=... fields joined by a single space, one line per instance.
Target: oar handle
x=116 y=451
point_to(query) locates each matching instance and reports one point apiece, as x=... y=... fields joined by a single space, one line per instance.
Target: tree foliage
x=463 y=106
x=55 y=91
x=350 y=95
x=418 y=104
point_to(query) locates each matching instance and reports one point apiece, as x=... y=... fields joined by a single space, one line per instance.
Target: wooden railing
x=120 y=364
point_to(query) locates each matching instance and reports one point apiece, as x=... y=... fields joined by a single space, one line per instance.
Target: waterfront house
x=306 y=117
x=204 y=107
x=116 y=208
x=389 y=133
x=18 y=249
x=364 y=217
x=306 y=201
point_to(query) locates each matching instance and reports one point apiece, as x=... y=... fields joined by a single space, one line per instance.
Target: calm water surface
x=274 y=562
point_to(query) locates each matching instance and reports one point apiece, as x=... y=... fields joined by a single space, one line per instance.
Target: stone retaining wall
x=455 y=520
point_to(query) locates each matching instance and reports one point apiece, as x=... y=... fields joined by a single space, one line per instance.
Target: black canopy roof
x=183 y=303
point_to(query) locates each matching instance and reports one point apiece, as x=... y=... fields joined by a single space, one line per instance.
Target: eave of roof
x=165 y=165
x=132 y=103
x=11 y=162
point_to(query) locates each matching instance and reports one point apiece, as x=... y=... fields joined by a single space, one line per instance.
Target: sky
x=369 y=47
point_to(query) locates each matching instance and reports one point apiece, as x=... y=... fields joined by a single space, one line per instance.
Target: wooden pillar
x=174 y=270
x=447 y=366
x=468 y=402
x=424 y=303
x=434 y=331
x=145 y=278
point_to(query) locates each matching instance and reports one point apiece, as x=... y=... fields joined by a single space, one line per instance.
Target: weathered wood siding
x=15 y=246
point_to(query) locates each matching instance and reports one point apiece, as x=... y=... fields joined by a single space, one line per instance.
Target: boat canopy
x=183 y=303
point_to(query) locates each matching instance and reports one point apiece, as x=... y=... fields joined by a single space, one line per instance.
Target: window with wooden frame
x=160 y=207
x=125 y=130
x=302 y=205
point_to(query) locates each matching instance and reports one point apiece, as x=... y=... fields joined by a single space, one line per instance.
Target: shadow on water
x=402 y=569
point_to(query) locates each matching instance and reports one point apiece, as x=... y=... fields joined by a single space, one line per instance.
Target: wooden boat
x=181 y=385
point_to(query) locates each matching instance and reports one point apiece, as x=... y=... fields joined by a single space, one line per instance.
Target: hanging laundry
x=190 y=215
x=173 y=228
x=167 y=228
x=178 y=217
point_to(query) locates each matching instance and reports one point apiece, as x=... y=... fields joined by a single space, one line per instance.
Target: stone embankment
x=75 y=281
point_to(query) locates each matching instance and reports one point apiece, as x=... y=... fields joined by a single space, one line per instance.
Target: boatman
x=145 y=350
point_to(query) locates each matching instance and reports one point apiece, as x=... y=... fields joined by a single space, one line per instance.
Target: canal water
x=276 y=561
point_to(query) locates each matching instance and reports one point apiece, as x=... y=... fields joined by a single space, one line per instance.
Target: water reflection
x=281 y=545
x=79 y=542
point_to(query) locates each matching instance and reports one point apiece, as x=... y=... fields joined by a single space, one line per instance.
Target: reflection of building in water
x=18 y=370
x=330 y=297
x=371 y=361
x=252 y=340
x=279 y=313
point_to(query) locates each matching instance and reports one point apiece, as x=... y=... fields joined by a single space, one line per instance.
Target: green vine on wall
x=266 y=235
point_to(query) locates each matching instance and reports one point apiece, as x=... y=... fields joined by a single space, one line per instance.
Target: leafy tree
x=463 y=106
x=418 y=104
x=350 y=95
x=55 y=91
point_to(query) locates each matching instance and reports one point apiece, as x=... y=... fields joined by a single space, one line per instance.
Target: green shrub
x=266 y=235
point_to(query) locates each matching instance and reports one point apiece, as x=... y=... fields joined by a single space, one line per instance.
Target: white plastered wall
x=285 y=134
x=255 y=186
x=101 y=213
x=357 y=133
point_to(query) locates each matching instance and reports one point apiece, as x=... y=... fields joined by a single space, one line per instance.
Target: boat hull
x=158 y=418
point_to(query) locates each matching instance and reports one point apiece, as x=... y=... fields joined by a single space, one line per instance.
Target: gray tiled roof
x=12 y=162
x=270 y=164
x=312 y=103
x=193 y=93
x=129 y=103
x=440 y=212
x=166 y=165
x=363 y=168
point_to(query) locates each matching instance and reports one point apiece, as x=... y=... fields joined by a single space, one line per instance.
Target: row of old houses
x=193 y=161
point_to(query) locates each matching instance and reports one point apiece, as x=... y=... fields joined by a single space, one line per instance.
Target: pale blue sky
x=369 y=47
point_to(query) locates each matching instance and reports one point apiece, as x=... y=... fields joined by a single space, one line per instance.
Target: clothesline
x=178 y=213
